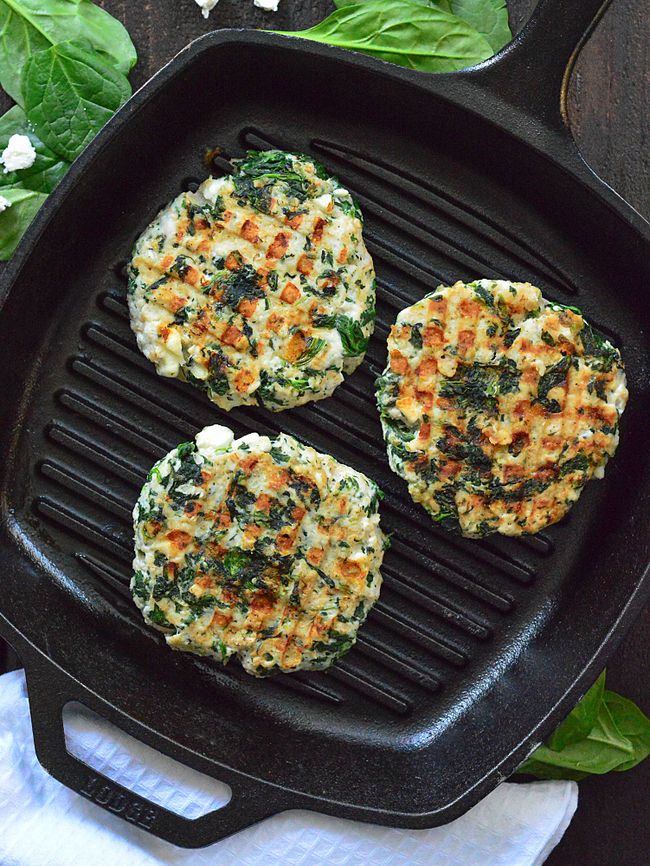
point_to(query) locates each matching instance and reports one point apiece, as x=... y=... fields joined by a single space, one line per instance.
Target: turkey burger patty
x=258 y=287
x=258 y=548
x=498 y=406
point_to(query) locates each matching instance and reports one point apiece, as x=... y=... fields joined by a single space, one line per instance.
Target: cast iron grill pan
x=475 y=649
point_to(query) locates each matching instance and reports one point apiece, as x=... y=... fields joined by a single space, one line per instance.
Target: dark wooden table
x=610 y=118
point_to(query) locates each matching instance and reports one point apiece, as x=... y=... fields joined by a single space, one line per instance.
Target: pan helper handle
x=532 y=72
x=50 y=689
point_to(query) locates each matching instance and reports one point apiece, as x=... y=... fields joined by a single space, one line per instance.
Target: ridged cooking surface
x=443 y=597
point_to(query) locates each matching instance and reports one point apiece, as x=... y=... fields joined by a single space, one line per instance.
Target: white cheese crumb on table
x=19 y=153
x=208 y=5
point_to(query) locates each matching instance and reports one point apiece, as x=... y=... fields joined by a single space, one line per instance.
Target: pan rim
x=604 y=192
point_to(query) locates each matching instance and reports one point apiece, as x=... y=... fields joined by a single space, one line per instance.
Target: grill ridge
x=425 y=234
x=298 y=683
x=406 y=626
x=333 y=419
x=357 y=401
x=364 y=397
x=414 y=671
x=105 y=498
x=442 y=609
x=116 y=580
x=478 y=551
x=391 y=295
x=350 y=675
x=74 y=522
x=120 y=578
x=387 y=252
x=104 y=418
x=445 y=568
x=114 y=383
x=78 y=444
x=539 y=543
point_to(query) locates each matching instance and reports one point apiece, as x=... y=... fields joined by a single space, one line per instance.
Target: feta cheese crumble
x=4 y=203
x=211 y=189
x=212 y=440
x=206 y=6
x=324 y=201
x=19 y=153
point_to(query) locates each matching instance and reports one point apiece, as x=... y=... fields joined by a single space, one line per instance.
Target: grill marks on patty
x=243 y=264
x=498 y=406
x=271 y=553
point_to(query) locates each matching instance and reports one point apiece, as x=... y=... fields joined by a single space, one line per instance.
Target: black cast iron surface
x=474 y=649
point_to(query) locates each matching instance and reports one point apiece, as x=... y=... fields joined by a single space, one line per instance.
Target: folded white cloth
x=42 y=823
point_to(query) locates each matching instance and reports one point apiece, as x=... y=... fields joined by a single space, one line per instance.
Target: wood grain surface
x=610 y=118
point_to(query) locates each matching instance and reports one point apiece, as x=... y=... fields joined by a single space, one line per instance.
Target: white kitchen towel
x=42 y=823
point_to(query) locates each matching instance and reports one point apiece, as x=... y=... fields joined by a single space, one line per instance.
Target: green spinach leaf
x=487 y=17
x=633 y=724
x=581 y=719
x=69 y=94
x=315 y=346
x=353 y=339
x=48 y=168
x=604 y=732
x=27 y=26
x=400 y=31
x=601 y=751
x=15 y=219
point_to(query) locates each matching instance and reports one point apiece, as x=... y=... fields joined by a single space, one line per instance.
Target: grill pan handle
x=50 y=689
x=533 y=70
